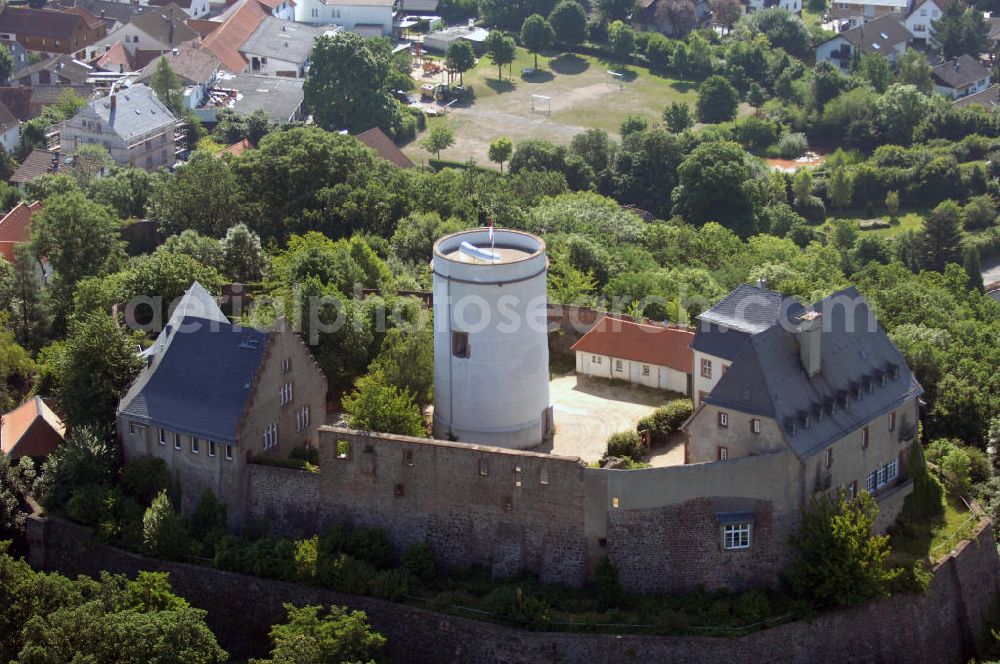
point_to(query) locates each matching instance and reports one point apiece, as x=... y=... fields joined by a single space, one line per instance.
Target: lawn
x=933 y=521
x=909 y=220
x=582 y=97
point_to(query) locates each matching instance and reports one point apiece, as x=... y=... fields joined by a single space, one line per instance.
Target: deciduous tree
x=941 y=238
x=536 y=35
x=500 y=150
x=501 y=49
x=378 y=405
x=717 y=100
x=440 y=137
x=569 y=23
x=461 y=58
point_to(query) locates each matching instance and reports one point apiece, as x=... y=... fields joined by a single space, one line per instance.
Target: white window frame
x=755 y=425
x=162 y=436
x=892 y=421
x=229 y=452
x=195 y=445
x=645 y=370
x=723 y=419
x=736 y=536
x=619 y=366
x=706 y=368
x=177 y=441
x=723 y=453
x=211 y=448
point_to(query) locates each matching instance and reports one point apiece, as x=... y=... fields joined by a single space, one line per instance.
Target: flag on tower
x=491 y=232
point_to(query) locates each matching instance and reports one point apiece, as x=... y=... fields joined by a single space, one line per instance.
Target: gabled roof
x=108 y=11
x=158 y=23
x=227 y=40
x=35 y=165
x=236 y=149
x=115 y=58
x=7 y=119
x=652 y=344
x=278 y=96
x=749 y=309
x=942 y=5
x=196 y=303
x=55 y=23
x=62 y=66
x=199 y=383
x=376 y=139
x=195 y=65
x=137 y=111
x=18 y=100
x=31 y=430
x=960 y=72
x=878 y=36
x=282 y=40
x=988 y=98
x=767 y=378
x=46 y=95
x=15 y=228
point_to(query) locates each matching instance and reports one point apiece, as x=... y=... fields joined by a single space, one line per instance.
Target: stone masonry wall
x=939 y=627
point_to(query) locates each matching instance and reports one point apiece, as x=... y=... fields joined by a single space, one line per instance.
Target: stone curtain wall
x=939 y=627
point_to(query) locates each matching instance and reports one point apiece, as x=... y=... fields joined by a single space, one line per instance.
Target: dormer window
x=805 y=421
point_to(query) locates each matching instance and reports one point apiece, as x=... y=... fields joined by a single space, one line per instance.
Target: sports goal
x=541 y=104
x=616 y=78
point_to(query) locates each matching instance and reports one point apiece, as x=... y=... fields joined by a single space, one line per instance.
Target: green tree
x=756 y=96
x=500 y=49
x=840 y=187
x=536 y=35
x=346 y=85
x=717 y=100
x=15 y=486
x=90 y=162
x=78 y=237
x=595 y=147
x=913 y=69
x=441 y=137
x=892 y=204
x=677 y=117
x=510 y=14
x=898 y=112
x=416 y=234
x=6 y=63
x=714 y=186
x=85 y=459
x=500 y=150
x=782 y=29
x=941 y=238
x=377 y=405
x=31 y=313
x=838 y=556
x=634 y=124
x=97 y=363
x=242 y=254
x=308 y=637
x=125 y=190
x=621 y=38
x=206 y=250
x=167 y=85
x=407 y=361
x=461 y=58
x=163 y=532
x=876 y=70
x=616 y=10
x=569 y=23
x=202 y=195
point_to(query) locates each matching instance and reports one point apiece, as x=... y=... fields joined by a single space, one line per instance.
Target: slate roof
x=35 y=165
x=627 y=340
x=277 y=96
x=18 y=100
x=31 y=429
x=108 y=11
x=376 y=139
x=196 y=303
x=767 y=379
x=879 y=35
x=138 y=111
x=55 y=23
x=199 y=383
x=194 y=64
x=62 y=66
x=747 y=310
x=960 y=72
x=419 y=6
x=282 y=40
x=15 y=228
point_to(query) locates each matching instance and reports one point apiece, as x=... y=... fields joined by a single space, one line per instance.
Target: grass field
x=909 y=220
x=581 y=98
x=930 y=525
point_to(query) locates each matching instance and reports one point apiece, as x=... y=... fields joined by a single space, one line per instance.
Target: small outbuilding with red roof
x=31 y=430
x=15 y=228
x=657 y=356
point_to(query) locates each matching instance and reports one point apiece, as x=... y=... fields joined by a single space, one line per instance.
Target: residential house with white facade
x=922 y=17
x=132 y=124
x=196 y=66
x=656 y=356
x=280 y=48
x=369 y=18
x=961 y=77
x=861 y=11
x=885 y=36
x=153 y=31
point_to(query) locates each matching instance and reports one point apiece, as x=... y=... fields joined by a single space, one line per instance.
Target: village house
x=18 y=54
x=649 y=18
x=369 y=18
x=10 y=129
x=132 y=124
x=656 y=356
x=197 y=67
x=961 y=77
x=31 y=430
x=225 y=34
x=51 y=30
x=57 y=70
x=150 y=34
x=280 y=48
x=277 y=96
x=39 y=162
x=861 y=11
x=988 y=98
x=214 y=396
x=885 y=37
x=824 y=384
x=193 y=8
x=794 y=6
x=922 y=17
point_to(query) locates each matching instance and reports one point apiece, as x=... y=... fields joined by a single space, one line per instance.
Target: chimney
x=809 y=335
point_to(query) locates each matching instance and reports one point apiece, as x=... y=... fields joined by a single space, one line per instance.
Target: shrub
x=391 y=584
x=207 y=516
x=752 y=607
x=666 y=419
x=419 y=561
x=370 y=545
x=163 y=531
x=121 y=521
x=793 y=145
x=609 y=590
x=659 y=50
x=306 y=558
x=980 y=212
x=514 y=604
x=344 y=573
x=145 y=478
x=87 y=504
x=811 y=208
x=625 y=444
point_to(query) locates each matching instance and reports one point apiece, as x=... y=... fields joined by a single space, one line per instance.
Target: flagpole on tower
x=491 y=236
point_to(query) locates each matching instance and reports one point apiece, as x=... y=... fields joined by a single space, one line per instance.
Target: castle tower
x=491 y=356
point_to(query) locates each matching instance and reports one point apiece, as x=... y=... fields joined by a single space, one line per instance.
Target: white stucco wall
x=699 y=382
x=347 y=16
x=655 y=376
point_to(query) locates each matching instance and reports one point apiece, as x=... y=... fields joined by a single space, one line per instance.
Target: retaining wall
x=940 y=627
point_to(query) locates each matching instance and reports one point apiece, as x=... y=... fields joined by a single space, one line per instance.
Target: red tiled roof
x=203 y=26
x=115 y=59
x=92 y=21
x=652 y=344
x=227 y=40
x=236 y=149
x=15 y=228
x=376 y=139
x=58 y=23
x=31 y=429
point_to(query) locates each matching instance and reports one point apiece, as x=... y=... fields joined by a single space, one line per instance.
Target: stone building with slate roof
x=213 y=396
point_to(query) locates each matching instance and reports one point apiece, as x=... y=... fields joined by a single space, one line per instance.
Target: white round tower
x=491 y=354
